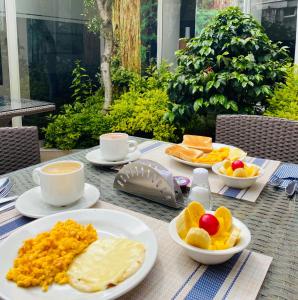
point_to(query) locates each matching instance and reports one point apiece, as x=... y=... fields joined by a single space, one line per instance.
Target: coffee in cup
x=61 y=183
x=116 y=146
x=61 y=168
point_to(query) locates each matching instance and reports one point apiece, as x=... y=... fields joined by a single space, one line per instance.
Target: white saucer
x=95 y=157
x=30 y=203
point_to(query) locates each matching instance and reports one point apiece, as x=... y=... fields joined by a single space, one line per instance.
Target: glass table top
x=7 y=105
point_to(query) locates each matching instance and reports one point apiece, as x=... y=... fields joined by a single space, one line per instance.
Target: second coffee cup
x=116 y=146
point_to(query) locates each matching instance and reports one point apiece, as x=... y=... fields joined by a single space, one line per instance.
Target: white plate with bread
x=200 y=152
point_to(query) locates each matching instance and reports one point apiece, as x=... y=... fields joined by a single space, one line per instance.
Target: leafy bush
x=121 y=78
x=284 y=103
x=78 y=126
x=142 y=103
x=82 y=85
x=141 y=113
x=231 y=67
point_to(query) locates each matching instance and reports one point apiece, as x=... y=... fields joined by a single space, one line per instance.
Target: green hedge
x=284 y=103
x=141 y=113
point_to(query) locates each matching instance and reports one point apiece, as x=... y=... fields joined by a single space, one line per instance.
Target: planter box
x=48 y=154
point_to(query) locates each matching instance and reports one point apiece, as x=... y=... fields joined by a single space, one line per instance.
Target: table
x=272 y=219
x=25 y=107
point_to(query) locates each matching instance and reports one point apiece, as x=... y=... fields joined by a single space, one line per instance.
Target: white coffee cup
x=61 y=182
x=116 y=146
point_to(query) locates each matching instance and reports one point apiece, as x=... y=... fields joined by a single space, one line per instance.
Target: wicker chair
x=260 y=136
x=19 y=148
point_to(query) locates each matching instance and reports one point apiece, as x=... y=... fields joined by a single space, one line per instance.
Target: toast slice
x=183 y=152
x=202 y=143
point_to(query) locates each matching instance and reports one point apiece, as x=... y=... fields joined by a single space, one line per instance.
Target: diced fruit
x=207 y=231
x=237 y=164
x=198 y=237
x=239 y=173
x=226 y=163
x=251 y=171
x=196 y=210
x=219 y=245
x=226 y=215
x=209 y=223
x=233 y=238
x=184 y=223
x=229 y=171
x=238 y=168
x=222 y=170
x=221 y=228
x=236 y=153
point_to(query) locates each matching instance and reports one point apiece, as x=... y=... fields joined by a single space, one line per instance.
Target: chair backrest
x=260 y=136
x=19 y=148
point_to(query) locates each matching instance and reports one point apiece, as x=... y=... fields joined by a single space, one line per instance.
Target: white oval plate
x=108 y=223
x=201 y=165
x=95 y=157
x=30 y=203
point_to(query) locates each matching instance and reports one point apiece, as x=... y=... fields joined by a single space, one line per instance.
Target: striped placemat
x=175 y=275
x=216 y=185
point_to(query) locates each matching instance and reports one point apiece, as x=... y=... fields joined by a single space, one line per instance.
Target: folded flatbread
x=183 y=152
x=203 y=143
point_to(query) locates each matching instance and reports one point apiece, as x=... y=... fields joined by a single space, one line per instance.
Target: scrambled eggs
x=45 y=259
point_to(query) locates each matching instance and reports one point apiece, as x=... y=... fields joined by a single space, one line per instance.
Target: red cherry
x=237 y=164
x=209 y=223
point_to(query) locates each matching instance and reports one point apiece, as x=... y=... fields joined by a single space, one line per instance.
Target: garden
x=232 y=67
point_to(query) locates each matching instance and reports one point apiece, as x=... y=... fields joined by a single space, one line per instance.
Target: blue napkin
x=287 y=172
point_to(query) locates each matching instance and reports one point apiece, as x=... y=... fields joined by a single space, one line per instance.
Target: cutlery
x=291 y=188
x=5 y=191
x=3 y=183
x=7 y=199
x=277 y=181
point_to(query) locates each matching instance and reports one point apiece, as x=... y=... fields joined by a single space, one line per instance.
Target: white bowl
x=237 y=182
x=212 y=257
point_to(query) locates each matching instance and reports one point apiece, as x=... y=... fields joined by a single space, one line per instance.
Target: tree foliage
x=231 y=67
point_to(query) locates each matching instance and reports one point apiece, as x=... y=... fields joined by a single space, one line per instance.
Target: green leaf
x=233 y=105
x=209 y=85
x=171 y=117
x=198 y=104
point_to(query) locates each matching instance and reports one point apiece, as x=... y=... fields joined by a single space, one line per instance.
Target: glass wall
x=187 y=19
x=206 y=9
x=52 y=36
x=279 y=18
x=148 y=32
x=4 y=74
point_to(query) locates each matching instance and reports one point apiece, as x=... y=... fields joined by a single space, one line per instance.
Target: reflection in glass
x=148 y=31
x=206 y=9
x=279 y=18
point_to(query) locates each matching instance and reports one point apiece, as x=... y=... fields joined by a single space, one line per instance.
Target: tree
x=127 y=33
x=102 y=22
x=232 y=66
